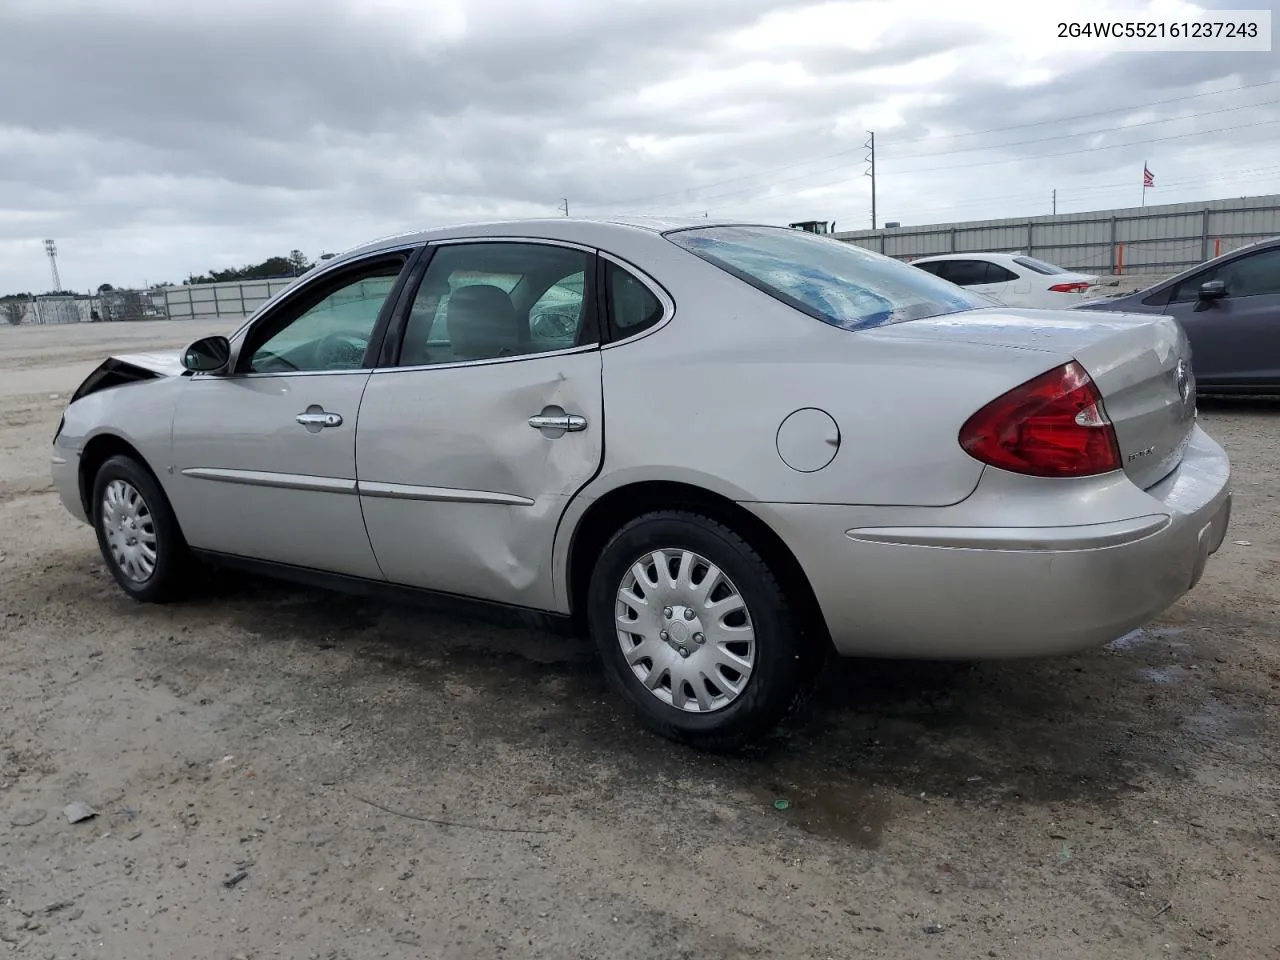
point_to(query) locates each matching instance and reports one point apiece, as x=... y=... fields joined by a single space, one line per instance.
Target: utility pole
x=1055 y=202
x=564 y=205
x=871 y=172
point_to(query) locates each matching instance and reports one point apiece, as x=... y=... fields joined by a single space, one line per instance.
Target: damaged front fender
x=131 y=368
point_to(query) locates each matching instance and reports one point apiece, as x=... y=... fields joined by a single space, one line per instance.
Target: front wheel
x=694 y=629
x=138 y=533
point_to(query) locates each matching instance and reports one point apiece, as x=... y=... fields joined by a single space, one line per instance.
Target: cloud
x=155 y=139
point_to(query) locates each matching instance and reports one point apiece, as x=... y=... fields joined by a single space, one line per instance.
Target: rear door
x=484 y=419
x=1234 y=339
x=979 y=276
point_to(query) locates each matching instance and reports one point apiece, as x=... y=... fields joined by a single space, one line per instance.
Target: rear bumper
x=983 y=580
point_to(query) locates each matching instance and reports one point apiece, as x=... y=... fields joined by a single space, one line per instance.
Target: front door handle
x=569 y=422
x=316 y=419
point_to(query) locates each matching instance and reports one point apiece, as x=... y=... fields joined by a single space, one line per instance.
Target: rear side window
x=968 y=273
x=998 y=274
x=632 y=305
x=934 y=267
x=833 y=281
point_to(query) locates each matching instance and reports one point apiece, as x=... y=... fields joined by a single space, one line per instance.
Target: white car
x=1011 y=278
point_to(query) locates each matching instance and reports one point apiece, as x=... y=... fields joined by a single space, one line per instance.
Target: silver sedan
x=721 y=450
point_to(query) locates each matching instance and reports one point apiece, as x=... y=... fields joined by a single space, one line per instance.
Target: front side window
x=833 y=281
x=486 y=301
x=1253 y=275
x=328 y=330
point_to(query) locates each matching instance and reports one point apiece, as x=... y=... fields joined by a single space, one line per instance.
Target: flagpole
x=1144 y=183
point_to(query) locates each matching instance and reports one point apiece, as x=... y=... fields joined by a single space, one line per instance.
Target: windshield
x=1039 y=266
x=836 y=282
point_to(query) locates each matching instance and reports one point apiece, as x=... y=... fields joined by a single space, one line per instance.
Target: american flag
x=1148 y=178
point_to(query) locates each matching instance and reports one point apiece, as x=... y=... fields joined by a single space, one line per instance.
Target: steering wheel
x=341 y=351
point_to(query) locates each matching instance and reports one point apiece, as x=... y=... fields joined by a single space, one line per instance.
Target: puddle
x=1144 y=635
x=843 y=811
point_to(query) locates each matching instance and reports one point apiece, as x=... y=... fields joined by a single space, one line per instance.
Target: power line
x=1114 y=146
x=993 y=162
x=1233 y=176
x=933 y=139
x=1085 y=133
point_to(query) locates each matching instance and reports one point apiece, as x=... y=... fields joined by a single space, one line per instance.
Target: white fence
x=205 y=301
x=1135 y=240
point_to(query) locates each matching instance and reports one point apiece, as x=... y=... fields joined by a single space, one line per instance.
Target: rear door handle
x=569 y=422
x=319 y=419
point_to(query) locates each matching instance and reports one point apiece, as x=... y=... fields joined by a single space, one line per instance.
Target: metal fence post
x=1113 y=243
x=1204 y=236
x=951 y=248
x=243 y=312
x=1030 y=245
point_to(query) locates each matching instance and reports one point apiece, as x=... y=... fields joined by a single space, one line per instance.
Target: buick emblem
x=1183 y=376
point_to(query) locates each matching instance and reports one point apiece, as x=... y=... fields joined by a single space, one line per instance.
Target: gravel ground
x=278 y=772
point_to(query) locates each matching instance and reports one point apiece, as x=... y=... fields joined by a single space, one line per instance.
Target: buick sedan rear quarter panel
x=702 y=400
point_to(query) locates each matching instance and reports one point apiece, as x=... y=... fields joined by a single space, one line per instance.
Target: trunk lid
x=1141 y=364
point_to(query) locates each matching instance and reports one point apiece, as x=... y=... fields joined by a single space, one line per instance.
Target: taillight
x=1052 y=426
x=1076 y=287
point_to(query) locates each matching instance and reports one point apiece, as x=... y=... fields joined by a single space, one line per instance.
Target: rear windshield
x=836 y=282
x=1039 y=266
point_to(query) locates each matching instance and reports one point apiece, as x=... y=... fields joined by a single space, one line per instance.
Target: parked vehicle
x=1011 y=278
x=1230 y=309
x=748 y=445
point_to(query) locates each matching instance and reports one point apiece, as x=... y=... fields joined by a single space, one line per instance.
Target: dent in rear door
x=460 y=494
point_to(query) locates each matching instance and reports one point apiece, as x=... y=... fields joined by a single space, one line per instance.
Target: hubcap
x=685 y=630
x=130 y=530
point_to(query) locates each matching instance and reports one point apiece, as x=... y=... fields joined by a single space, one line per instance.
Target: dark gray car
x=1230 y=309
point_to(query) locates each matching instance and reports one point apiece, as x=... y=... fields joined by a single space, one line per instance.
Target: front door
x=1235 y=338
x=264 y=458
x=489 y=420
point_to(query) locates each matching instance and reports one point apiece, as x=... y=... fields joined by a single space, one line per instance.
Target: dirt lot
x=281 y=773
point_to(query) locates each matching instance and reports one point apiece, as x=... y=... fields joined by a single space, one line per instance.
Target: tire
x=157 y=575
x=782 y=659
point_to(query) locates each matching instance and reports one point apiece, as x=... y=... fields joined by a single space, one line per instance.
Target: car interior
x=488 y=301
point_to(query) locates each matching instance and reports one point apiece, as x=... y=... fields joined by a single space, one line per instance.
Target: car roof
x=586 y=230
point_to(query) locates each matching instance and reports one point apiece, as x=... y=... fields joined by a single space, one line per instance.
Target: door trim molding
x=365 y=488
x=408 y=491
x=264 y=478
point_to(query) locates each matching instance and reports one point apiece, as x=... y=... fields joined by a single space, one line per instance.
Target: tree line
x=295 y=264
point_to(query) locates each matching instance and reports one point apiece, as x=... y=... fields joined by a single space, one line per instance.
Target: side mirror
x=1213 y=290
x=208 y=355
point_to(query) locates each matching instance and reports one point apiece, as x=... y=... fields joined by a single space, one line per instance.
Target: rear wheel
x=694 y=629
x=138 y=533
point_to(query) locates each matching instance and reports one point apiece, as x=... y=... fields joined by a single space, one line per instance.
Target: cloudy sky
x=157 y=138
